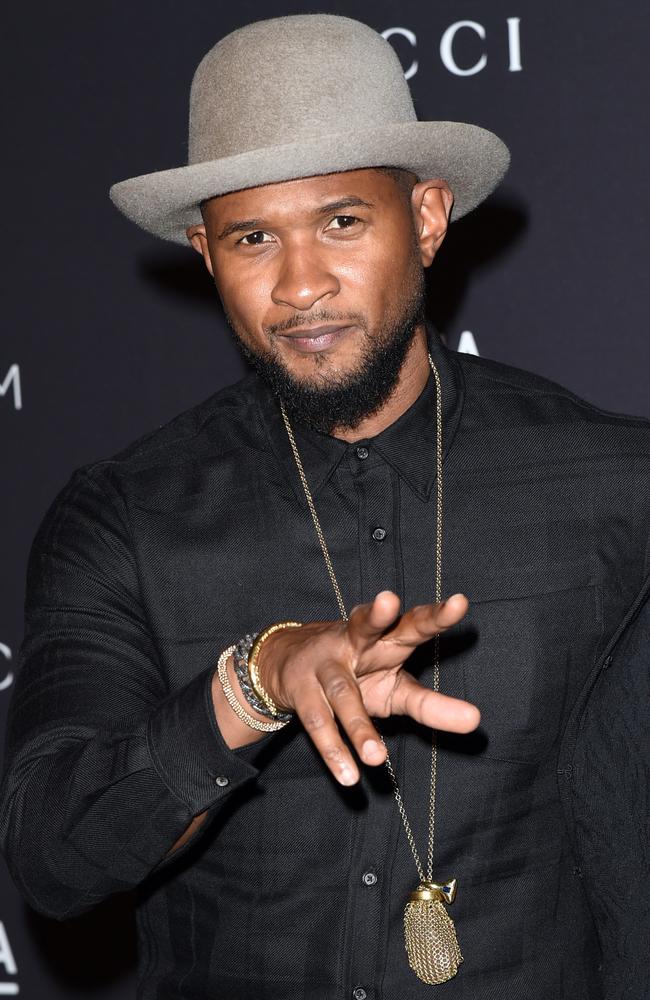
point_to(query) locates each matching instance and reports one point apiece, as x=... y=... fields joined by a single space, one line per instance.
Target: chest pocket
x=532 y=630
x=523 y=658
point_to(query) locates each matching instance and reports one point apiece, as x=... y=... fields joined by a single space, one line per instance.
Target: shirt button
x=221 y=781
x=379 y=534
x=362 y=451
x=359 y=993
x=369 y=878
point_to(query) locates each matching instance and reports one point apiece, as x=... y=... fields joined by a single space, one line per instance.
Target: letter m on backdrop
x=12 y=380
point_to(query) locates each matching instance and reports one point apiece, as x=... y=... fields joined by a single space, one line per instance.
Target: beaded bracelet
x=241 y=713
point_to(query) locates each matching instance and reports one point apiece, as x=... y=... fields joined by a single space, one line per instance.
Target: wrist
x=268 y=676
x=260 y=673
x=241 y=657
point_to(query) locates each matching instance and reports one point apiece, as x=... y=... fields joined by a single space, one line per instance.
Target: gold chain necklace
x=429 y=933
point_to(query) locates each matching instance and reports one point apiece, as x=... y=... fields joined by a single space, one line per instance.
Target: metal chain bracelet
x=240 y=660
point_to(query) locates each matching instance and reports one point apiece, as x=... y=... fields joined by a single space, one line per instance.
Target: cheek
x=379 y=263
x=244 y=297
x=383 y=273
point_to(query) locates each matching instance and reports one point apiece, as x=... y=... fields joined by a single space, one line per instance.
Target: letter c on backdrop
x=9 y=679
x=447 y=43
x=410 y=37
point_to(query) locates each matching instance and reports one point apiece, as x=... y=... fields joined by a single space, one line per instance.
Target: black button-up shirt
x=148 y=564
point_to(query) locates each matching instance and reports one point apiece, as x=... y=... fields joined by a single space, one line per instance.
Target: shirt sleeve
x=612 y=810
x=105 y=767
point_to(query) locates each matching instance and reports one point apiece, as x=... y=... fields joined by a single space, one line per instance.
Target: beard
x=344 y=400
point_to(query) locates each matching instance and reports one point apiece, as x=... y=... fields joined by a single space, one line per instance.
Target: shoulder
x=166 y=460
x=506 y=393
x=537 y=439
x=228 y=411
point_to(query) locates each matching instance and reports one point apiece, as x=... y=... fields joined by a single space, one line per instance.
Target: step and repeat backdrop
x=107 y=333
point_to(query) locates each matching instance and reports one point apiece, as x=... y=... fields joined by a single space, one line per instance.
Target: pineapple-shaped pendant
x=429 y=933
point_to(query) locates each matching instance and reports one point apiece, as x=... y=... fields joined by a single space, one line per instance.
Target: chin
x=321 y=370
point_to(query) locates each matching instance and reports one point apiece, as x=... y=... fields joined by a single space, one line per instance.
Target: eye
x=253 y=239
x=346 y=221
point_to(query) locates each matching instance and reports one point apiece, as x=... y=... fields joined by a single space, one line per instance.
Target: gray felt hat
x=298 y=96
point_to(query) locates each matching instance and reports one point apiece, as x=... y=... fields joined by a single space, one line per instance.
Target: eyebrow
x=248 y=225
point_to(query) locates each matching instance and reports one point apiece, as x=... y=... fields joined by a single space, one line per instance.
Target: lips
x=315 y=338
x=314 y=331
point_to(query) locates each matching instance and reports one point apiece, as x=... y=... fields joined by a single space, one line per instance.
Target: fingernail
x=371 y=749
x=347 y=776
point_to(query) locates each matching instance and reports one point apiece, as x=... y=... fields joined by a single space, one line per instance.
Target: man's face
x=321 y=280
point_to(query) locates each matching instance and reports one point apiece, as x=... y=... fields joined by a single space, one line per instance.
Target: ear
x=197 y=237
x=431 y=202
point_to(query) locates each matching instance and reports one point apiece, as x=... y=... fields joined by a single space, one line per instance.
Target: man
x=301 y=528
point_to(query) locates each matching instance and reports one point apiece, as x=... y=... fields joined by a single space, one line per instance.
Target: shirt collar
x=408 y=444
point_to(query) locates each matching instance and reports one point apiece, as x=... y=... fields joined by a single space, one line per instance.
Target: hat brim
x=471 y=159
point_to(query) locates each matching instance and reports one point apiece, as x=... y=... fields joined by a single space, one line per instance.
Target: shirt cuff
x=188 y=750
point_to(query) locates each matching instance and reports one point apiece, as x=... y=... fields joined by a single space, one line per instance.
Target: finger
x=315 y=713
x=431 y=708
x=422 y=622
x=342 y=692
x=367 y=622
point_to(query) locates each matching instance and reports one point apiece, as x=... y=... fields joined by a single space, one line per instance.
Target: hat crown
x=287 y=79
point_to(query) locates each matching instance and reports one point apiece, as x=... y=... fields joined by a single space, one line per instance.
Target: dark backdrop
x=107 y=332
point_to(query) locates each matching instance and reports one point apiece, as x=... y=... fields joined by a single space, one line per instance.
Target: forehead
x=303 y=194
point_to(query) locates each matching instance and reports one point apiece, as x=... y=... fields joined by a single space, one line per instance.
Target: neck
x=412 y=380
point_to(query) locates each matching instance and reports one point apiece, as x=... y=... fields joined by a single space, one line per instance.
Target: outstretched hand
x=348 y=672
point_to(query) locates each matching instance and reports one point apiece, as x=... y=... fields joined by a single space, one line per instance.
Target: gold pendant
x=429 y=933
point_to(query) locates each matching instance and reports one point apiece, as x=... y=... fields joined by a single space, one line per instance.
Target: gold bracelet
x=241 y=713
x=253 y=668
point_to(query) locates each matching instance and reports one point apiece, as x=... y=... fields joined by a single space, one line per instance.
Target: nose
x=303 y=279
